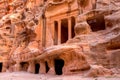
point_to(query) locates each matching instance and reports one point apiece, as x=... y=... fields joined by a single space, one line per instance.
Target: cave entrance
x=55 y=33
x=1 y=64
x=96 y=23
x=73 y=25
x=24 y=66
x=47 y=67
x=64 y=30
x=37 y=67
x=59 y=63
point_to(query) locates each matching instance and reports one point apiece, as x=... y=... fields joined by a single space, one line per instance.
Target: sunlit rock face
x=60 y=37
x=103 y=34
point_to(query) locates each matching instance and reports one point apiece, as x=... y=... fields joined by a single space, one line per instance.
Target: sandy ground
x=29 y=76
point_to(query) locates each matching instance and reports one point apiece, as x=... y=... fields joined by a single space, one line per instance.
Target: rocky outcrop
x=102 y=36
x=94 y=51
x=97 y=71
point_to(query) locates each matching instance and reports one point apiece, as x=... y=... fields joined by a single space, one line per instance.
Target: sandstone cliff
x=94 y=51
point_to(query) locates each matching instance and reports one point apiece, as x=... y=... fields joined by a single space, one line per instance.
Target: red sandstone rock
x=30 y=29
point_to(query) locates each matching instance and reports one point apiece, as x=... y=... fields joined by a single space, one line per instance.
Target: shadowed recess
x=96 y=23
x=59 y=63
x=1 y=67
x=37 y=67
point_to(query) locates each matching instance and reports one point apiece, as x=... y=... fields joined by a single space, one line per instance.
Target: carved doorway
x=1 y=64
x=58 y=64
x=37 y=67
x=24 y=66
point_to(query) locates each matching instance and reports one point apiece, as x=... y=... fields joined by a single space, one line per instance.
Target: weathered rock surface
x=94 y=51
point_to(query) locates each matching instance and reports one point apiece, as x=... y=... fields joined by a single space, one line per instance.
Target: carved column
x=44 y=32
x=69 y=28
x=17 y=66
x=59 y=32
x=51 y=66
x=42 y=67
x=31 y=67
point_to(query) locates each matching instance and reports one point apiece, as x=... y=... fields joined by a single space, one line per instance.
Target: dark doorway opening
x=37 y=67
x=24 y=66
x=47 y=67
x=1 y=67
x=97 y=22
x=64 y=30
x=59 y=63
x=73 y=25
x=55 y=33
